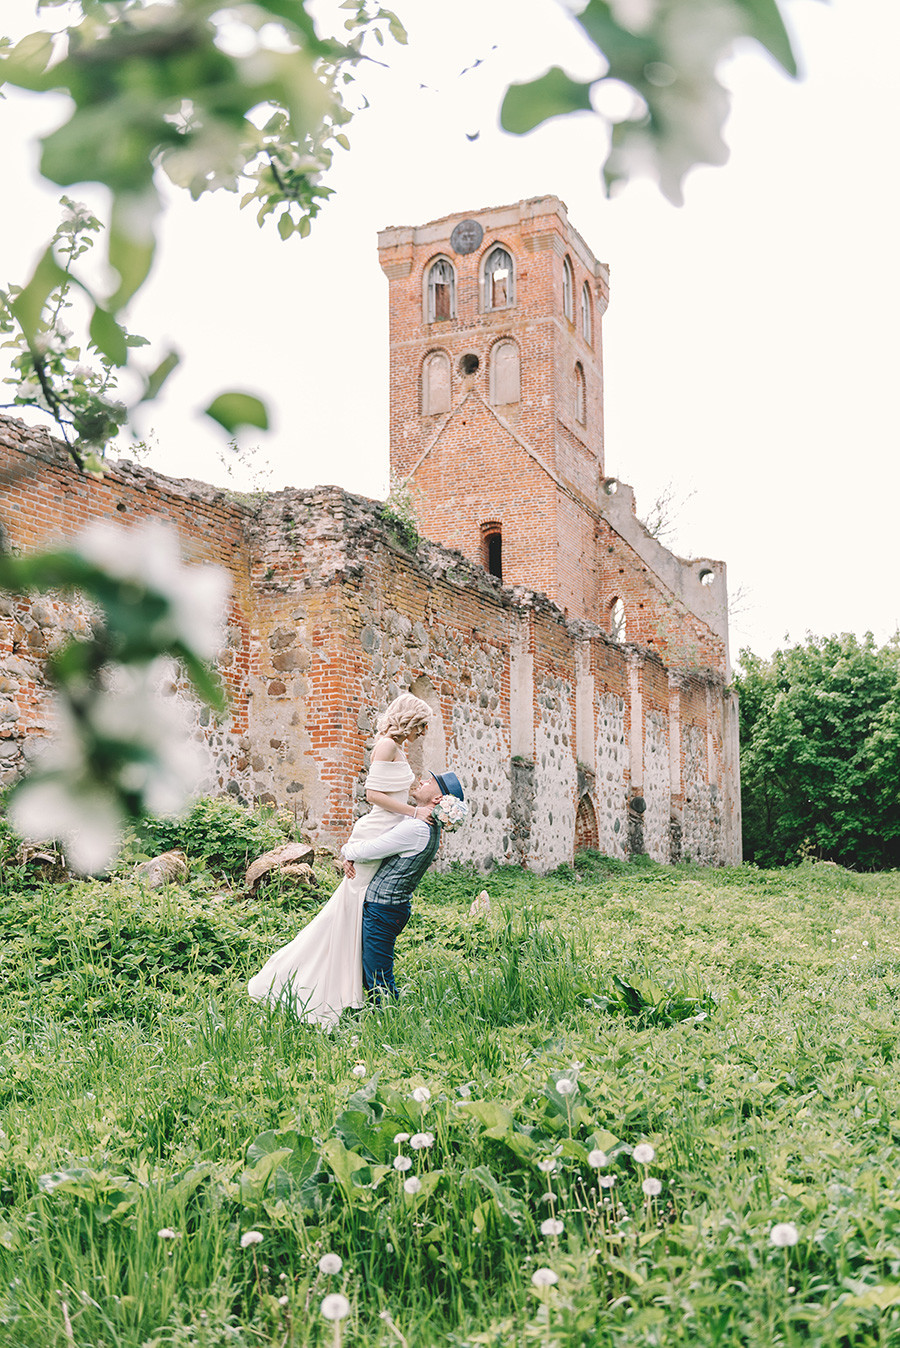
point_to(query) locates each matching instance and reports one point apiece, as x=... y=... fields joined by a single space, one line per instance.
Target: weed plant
x=634 y=1105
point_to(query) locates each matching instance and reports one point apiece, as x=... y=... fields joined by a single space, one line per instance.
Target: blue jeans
x=382 y=923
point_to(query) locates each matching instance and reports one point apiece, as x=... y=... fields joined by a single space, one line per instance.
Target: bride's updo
x=402 y=716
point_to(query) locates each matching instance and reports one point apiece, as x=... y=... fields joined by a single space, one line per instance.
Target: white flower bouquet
x=451 y=813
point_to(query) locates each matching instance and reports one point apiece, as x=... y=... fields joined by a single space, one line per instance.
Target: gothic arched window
x=435 y=383
x=505 y=382
x=499 y=280
x=568 y=291
x=580 y=400
x=617 y=620
x=441 y=291
x=587 y=315
x=492 y=549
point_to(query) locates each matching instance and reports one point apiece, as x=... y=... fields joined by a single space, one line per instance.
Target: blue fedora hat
x=450 y=784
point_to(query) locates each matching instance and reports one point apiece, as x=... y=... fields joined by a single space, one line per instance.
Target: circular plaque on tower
x=466 y=236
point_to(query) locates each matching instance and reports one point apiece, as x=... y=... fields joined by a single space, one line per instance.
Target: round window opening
x=707 y=577
x=468 y=363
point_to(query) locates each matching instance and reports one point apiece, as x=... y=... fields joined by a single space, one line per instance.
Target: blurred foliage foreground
x=629 y=1105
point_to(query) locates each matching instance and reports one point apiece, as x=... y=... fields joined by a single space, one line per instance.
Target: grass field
x=742 y=1024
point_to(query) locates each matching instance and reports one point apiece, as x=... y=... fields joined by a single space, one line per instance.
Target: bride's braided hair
x=403 y=715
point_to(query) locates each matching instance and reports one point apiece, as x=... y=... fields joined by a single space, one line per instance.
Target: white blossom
x=566 y=1086
x=335 y=1306
x=359 y=1070
x=643 y=1153
x=149 y=556
x=85 y=816
x=250 y=1238
x=552 y=1226
x=606 y=1181
x=168 y=1234
x=421 y=1094
x=547 y=1165
x=784 y=1234
x=284 y=1301
x=544 y=1277
x=331 y=1263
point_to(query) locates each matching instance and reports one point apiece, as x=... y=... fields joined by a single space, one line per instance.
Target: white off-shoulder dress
x=319 y=973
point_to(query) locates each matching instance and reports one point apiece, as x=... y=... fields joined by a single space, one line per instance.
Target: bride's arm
x=386 y=751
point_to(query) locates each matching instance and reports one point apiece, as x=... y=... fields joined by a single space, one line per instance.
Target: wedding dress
x=319 y=973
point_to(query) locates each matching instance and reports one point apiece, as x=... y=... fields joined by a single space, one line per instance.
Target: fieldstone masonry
x=561 y=726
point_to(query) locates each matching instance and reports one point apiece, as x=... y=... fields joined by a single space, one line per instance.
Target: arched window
x=617 y=620
x=587 y=315
x=580 y=401
x=435 y=383
x=568 y=291
x=499 y=280
x=492 y=549
x=505 y=383
x=441 y=297
x=585 y=825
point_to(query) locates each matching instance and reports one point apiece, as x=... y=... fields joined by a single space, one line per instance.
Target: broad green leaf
x=29 y=302
x=132 y=242
x=108 y=337
x=494 y=1119
x=255 y=1179
x=767 y=26
x=342 y=1163
x=155 y=380
x=525 y=106
x=234 y=410
x=285 y=225
x=26 y=63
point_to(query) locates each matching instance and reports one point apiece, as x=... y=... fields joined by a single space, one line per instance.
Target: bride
x=319 y=973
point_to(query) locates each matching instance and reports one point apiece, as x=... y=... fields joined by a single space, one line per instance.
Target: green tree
x=820 y=752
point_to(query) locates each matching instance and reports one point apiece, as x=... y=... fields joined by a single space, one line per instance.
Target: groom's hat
x=450 y=784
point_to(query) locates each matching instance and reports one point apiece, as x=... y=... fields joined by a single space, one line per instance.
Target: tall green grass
x=742 y=1023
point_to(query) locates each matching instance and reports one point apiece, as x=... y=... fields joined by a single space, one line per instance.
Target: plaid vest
x=397 y=876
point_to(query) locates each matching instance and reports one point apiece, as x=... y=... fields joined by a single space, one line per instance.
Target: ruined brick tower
x=497 y=426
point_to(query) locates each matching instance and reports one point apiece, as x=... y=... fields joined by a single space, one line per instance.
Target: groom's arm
x=406 y=839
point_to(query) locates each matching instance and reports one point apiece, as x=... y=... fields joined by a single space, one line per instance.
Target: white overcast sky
x=751 y=343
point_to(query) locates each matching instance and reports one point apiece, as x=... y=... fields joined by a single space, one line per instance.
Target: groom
x=405 y=851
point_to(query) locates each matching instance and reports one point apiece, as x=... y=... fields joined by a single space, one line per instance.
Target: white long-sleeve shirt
x=404 y=839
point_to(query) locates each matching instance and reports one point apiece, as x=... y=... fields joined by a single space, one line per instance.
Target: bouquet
x=451 y=813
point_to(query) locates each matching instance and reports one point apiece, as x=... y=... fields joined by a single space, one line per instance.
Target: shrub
x=221 y=832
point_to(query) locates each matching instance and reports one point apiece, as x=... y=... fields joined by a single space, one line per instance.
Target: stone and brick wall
x=545 y=719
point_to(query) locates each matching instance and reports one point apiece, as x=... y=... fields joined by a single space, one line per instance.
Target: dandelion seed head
x=784 y=1234
x=544 y=1277
x=606 y=1181
x=402 y=1162
x=250 y=1238
x=644 y=1153
x=284 y=1301
x=167 y=1233
x=548 y=1165
x=413 y=1185
x=419 y=1141
x=421 y=1095
x=597 y=1158
x=335 y=1306
x=651 y=1187
x=359 y=1070
x=566 y=1086
x=552 y=1226
x=401 y=1137
x=331 y=1263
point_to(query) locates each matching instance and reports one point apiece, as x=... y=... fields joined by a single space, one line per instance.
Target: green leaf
x=494 y=1119
x=233 y=410
x=525 y=106
x=155 y=380
x=767 y=26
x=285 y=225
x=29 y=302
x=26 y=63
x=132 y=242
x=108 y=337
